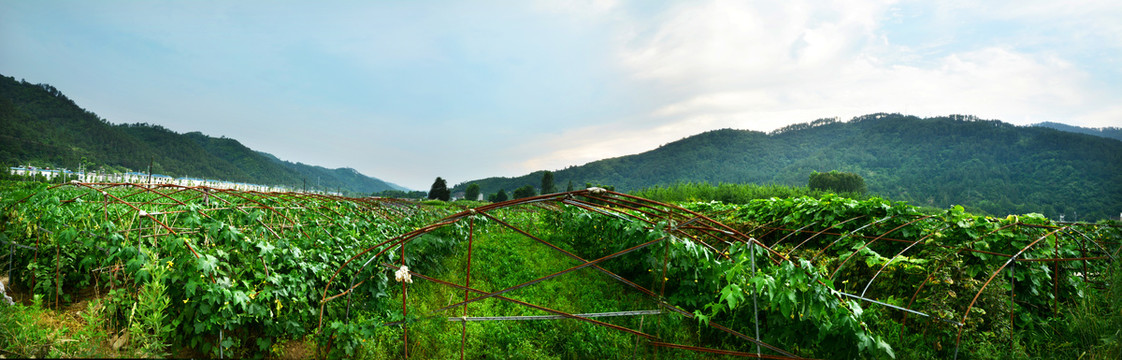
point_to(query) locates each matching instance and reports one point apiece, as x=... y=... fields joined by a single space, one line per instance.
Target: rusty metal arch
x=676 y=220
x=894 y=257
x=707 y=232
x=870 y=242
x=673 y=220
x=823 y=231
x=1012 y=258
x=1057 y=231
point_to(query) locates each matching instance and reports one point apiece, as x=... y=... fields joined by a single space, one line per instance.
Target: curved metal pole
x=383 y=245
x=1087 y=238
x=966 y=314
x=932 y=273
x=799 y=230
x=848 y=234
x=871 y=242
x=894 y=257
x=820 y=233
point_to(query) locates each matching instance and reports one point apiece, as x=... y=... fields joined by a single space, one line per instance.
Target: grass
x=28 y=330
x=502 y=259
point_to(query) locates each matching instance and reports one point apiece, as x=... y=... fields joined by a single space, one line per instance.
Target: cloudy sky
x=410 y=90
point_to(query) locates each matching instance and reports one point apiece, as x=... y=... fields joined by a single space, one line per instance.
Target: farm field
x=126 y=270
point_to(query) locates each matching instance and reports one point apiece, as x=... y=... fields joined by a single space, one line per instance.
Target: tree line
x=440 y=190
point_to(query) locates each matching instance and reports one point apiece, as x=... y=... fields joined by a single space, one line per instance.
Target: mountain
x=986 y=165
x=1106 y=132
x=41 y=126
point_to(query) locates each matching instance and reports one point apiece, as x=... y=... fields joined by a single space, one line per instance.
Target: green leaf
x=266 y=248
x=207 y=263
x=881 y=344
x=701 y=318
x=857 y=311
x=191 y=286
x=732 y=294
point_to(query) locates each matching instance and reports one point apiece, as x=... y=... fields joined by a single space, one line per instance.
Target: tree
x=472 y=192
x=602 y=186
x=547 y=183
x=841 y=182
x=439 y=190
x=570 y=187
x=498 y=197
x=524 y=192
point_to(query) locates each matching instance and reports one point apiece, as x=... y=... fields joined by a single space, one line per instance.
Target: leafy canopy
x=841 y=182
x=547 y=183
x=439 y=190
x=472 y=192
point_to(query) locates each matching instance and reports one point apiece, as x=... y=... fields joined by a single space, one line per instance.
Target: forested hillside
x=42 y=127
x=991 y=166
x=1107 y=132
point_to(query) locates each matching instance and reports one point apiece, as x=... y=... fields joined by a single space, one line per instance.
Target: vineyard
x=166 y=270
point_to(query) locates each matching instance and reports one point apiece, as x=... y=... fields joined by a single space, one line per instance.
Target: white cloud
x=732 y=43
x=523 y=86
x=757 y=66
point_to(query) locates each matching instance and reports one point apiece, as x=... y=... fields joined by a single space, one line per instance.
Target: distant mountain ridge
x=1106 y=132
x=986 y=165
x=41 y=126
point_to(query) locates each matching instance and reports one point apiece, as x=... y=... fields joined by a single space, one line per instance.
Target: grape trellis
x=252 y=264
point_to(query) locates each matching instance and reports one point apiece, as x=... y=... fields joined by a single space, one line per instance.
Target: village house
x=135 y=177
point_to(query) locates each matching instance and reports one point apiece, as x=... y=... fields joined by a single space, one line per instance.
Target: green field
x=122 y=271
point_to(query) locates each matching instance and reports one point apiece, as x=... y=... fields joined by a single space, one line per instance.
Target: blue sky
x=410 y=90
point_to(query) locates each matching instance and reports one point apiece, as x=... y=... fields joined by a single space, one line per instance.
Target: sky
x=406 y=91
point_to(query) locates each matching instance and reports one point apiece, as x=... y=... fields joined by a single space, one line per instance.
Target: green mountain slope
x=990 y=166
x=1107 y=132
x=41 y=126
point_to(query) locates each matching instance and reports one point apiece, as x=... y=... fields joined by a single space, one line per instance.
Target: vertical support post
x=37 y=245
x=1012 y=304
x=755 y=306
x=1083 y=253
x=139 y=231
x=467 y=284
x=1056 y=278
x=404 y=324
x=636 y=349
x=156 y=237
x=57 y=286
x=662 y=290
x=665 y=262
